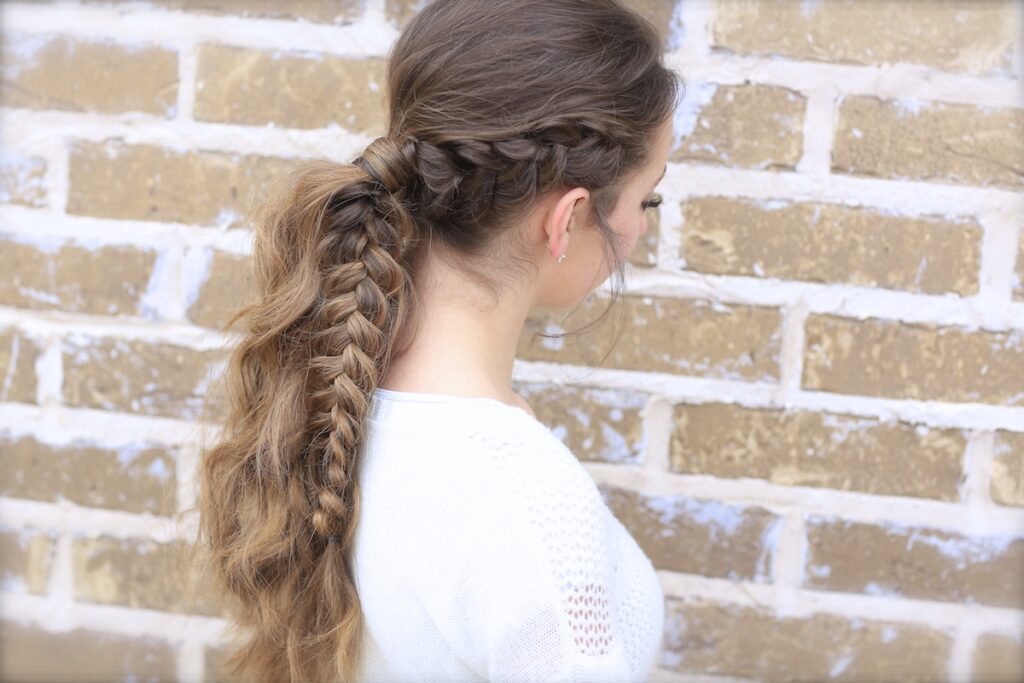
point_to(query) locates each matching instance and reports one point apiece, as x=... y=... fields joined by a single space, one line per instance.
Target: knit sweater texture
x=485 y=552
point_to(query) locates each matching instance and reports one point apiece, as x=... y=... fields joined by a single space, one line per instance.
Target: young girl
x=381 y=506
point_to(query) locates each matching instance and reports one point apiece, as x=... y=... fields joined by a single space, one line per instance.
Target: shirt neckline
x=388 y=401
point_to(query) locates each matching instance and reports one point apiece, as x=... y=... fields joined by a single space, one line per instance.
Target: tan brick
x=704 y=637
x=998 y=658
x=32 y=653
x=140 y=572
x=916 y=361
x=22 y=179
x=137 y=376
x=822 y=242
x=807 y=448
x=914 y=562
x=747 y=126
x=973 y=37
x=290 y=89
x=698 y=536
x=399 y=12
x=679 y=336
x=604 y=425
x=932 y=141
x=227 y=286
x=73 y=74
x=26 y=559
x=106 y=280
x=645 y=251
x=18 y=356
x=135 y=478
x=143 y=182
x=1008 y=468
x=317 y=11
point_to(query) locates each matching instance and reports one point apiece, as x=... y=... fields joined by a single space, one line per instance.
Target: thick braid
x=460 y=174
x=363 y=246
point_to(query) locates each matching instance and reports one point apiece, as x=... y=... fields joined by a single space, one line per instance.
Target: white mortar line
x=900 y=197
x=188 y=65
x=788 y=558
x=59 y=597
x=368 y=36
x=30 y=130
x=59 y=425
x=853 y=506
x=988 y=310
x=697 y=22
x=791 y=355
x=947 y=616
x=657 y=426
x=187 y=483
x=961 y=665
x=49 y=369
x=80 y=521
x=116 y=619
x=670 y=231
x=40 y=323
x=191 y=658
x=998 y=256
x=90 y=232
x=818 y=130
x=884 y=81
x=697 y=390
x=978 y=471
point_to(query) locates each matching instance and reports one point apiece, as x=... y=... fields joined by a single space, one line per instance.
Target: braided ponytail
x=328 y=252
x=492 y=104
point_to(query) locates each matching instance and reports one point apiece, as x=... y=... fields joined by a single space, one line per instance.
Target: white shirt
x=484 y=551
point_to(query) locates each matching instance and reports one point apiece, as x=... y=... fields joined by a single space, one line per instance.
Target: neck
x=464 y=344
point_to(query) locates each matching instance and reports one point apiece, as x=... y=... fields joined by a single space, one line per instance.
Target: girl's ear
x=561 y=219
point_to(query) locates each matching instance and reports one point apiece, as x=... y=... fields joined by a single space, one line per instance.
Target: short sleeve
x=543 y=589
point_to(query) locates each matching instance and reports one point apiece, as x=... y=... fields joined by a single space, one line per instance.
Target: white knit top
x=484 y=551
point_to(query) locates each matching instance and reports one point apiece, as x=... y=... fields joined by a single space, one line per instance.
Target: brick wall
x=812 y=422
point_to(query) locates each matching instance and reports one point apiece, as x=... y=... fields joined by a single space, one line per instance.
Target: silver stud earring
x=561 y=258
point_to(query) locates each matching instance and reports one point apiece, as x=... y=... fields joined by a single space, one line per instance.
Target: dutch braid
x=368 y=231
x=459 y=176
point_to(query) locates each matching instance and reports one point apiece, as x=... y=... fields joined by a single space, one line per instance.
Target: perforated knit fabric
x=485 y=552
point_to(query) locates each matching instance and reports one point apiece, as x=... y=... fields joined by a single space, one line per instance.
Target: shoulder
x=516 y=440
x=536 y=474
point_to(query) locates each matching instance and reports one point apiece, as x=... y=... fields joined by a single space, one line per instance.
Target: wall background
x=813 y=421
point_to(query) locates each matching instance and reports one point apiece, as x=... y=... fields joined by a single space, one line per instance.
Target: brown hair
x=491 y=104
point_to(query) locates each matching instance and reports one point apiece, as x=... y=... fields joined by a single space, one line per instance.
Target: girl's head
x=497 y=110
x=518 y=131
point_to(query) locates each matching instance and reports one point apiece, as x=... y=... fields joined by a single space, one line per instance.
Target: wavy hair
x=490 y=105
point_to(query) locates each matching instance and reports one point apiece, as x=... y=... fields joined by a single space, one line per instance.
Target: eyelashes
x=652 y=203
